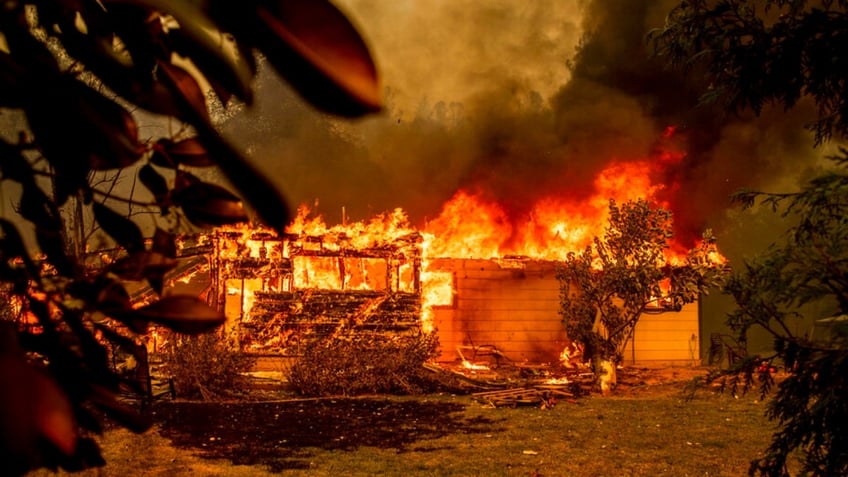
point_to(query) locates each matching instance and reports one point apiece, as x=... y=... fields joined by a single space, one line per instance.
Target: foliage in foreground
x=773 y=293
x=753 y=53
x=72 y=71
x=605 y=289
x=781 y=51
x=206 y=366
x=366 y=364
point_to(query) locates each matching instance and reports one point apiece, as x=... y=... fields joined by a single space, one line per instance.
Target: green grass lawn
x=642 y=434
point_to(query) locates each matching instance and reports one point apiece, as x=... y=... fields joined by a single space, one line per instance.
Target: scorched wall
x=510 y=305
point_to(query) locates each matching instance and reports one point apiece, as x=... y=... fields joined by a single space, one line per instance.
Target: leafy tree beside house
x=607 y=287
x=783 y=52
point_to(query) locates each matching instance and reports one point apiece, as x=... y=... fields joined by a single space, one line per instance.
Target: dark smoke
x=479 y=97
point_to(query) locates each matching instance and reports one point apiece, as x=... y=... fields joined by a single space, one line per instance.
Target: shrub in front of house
x=357 y=364
x=206 y=367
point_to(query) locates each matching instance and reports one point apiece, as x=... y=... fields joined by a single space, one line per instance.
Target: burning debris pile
x=314 y=283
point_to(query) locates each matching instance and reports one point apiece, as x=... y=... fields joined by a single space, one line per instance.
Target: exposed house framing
x=280 y=293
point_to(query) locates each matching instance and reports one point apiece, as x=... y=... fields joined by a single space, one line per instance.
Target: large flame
x=470 y=226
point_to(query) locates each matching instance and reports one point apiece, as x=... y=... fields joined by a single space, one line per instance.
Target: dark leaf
x=263 y=196
x=183 y=180
x=316 y=48
x=199 y=39
x=164 y=243
x=142 y=264
x=208 y=50
x=159 y=158
x=87 y=456
x=111 y=295
x=183 y=314
x=123 y=230
x=192 y=101
x=30 y=53
x=141 y=31
x=206 y=204
x=79 y=129
x=13 y=165
x=156 y=184
x=189 y=152
x=38 y=209
x=12 y=246
x=157 y=283
x=11 y=77
x=33 y=407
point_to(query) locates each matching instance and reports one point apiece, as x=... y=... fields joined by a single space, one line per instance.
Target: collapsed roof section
x=282 y=292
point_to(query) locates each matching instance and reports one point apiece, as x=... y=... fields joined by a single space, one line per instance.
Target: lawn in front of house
x=656 y=431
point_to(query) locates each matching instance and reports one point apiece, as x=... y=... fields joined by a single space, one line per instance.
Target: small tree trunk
x=605 y=374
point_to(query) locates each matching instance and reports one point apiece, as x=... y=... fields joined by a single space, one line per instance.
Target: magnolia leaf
x=114 y=128
x=182 y=313
x=79 y=122
x=164 y=243
x=38 y=209
x=142 y=264
x=33 y=407
x=122 y=77
x=199 y=39
x=214 y=56
x=206 y=204
x=187 y=152
x=190 y=152
x=123 y=230
x=156 y=184
x=12 y=246
x=142 y=33
x=317 y=49
x=11 y=77
x=87 y=456
x=185 y=87
x=13 y=165
x=111 y=295
x=263 y=196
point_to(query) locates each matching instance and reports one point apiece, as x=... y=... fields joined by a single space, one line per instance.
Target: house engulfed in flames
x=280 y=293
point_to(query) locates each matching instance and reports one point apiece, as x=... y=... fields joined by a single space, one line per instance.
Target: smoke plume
x=517 y=101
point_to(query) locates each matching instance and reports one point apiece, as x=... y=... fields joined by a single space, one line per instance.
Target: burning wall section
x=281 y=293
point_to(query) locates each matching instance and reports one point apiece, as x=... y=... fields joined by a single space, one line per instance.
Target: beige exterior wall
x=513 y=306
x=668 y=338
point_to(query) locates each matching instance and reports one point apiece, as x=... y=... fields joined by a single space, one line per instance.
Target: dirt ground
x=275 y=433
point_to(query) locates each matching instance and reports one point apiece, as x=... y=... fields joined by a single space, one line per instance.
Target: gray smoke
x=479 y=96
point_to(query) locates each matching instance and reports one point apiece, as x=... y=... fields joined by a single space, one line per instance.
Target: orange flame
x=471 y=226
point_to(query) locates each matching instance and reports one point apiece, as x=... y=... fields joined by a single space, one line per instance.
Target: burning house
x=281 y=293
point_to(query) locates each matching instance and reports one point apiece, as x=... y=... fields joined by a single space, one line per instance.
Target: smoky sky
x=517 y=101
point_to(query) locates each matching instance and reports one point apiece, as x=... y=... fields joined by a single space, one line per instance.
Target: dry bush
x=206 y=367
x=366 y=364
